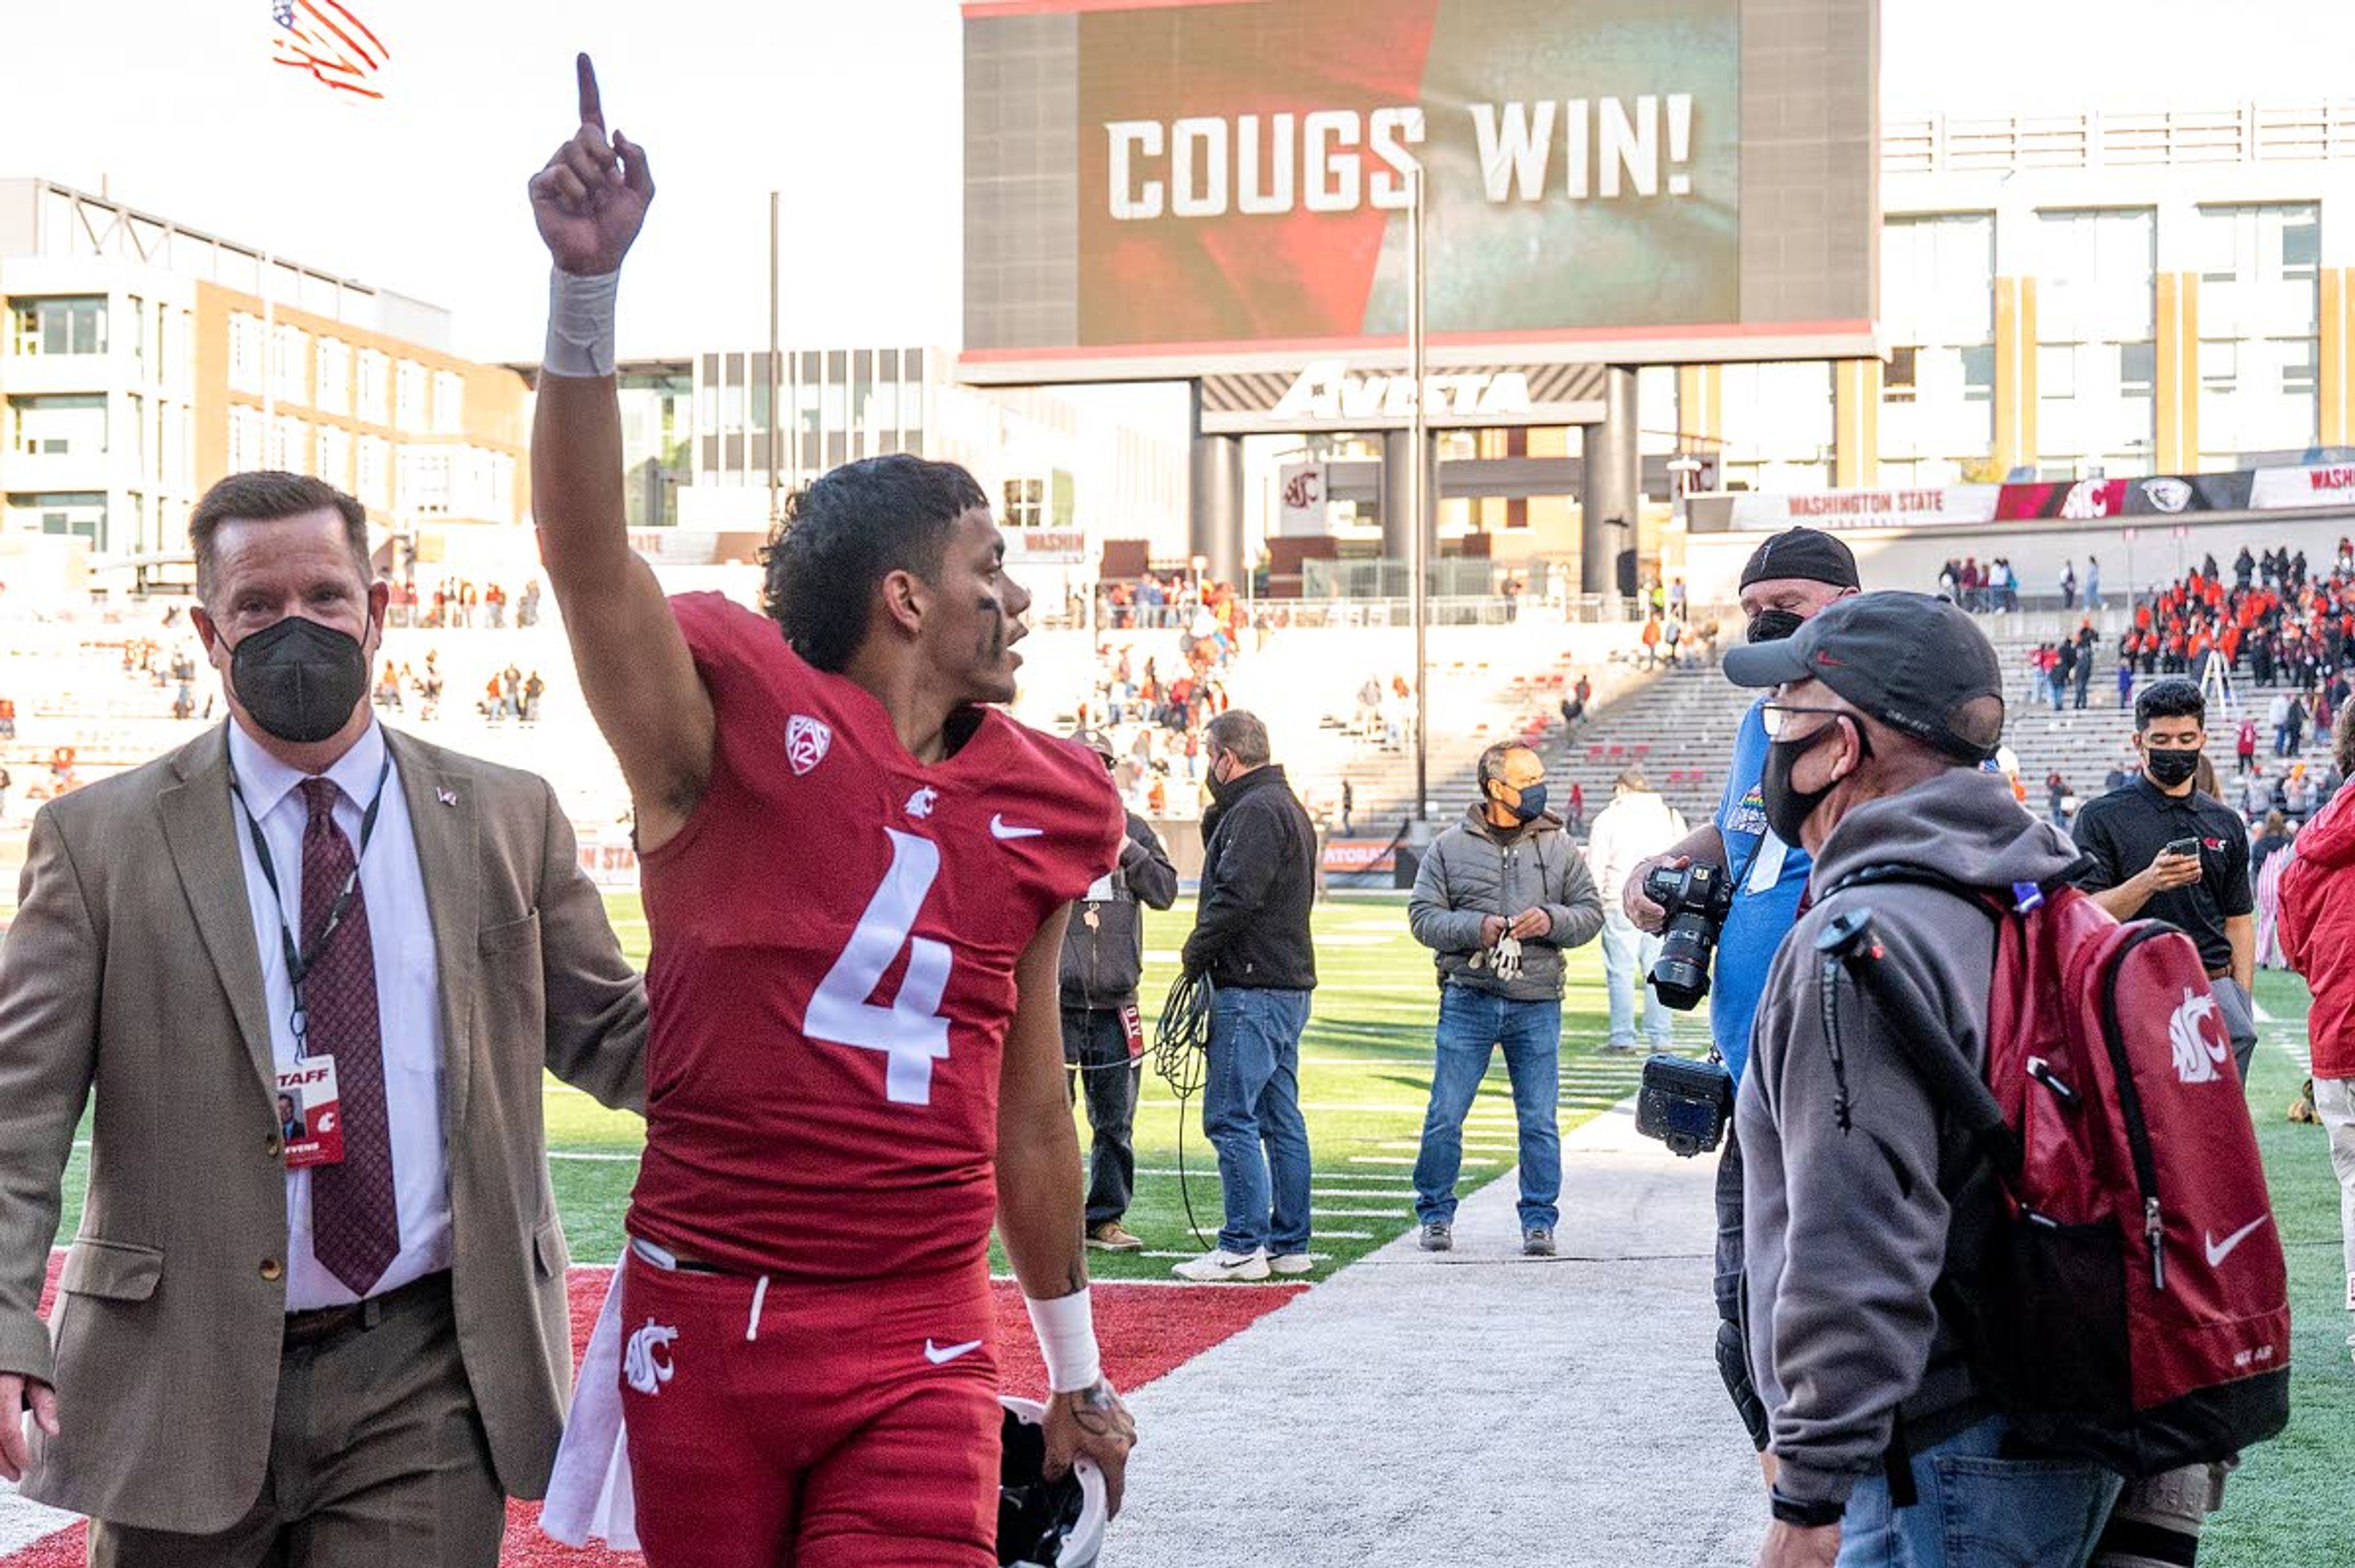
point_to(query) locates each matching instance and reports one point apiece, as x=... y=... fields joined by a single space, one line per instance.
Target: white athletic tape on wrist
x=580 y=324
x=1066 y=1328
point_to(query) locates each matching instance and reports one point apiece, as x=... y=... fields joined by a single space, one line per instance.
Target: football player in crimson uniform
x=854 y=870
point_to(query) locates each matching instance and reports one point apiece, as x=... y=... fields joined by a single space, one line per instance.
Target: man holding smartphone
x=2160 y=849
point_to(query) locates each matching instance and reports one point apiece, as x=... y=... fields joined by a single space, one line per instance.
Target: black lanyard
x=298 y=963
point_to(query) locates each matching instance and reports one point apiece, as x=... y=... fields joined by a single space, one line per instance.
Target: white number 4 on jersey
x=910 y=1033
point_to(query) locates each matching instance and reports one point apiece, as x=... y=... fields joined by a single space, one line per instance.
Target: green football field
x=1365 y=1074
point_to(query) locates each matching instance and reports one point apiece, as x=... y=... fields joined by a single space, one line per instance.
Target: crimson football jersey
x=835 y=931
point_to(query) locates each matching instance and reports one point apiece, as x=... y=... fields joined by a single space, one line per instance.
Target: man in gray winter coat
x=1858 y=1193
x=1501 y=895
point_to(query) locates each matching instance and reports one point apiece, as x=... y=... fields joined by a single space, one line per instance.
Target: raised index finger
x=592 y=111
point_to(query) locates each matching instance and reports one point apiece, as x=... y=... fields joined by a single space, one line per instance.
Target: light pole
x=1418 y=500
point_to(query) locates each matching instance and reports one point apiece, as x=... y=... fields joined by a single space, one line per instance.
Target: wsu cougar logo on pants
x=642 y=1368
x=2197 y=1033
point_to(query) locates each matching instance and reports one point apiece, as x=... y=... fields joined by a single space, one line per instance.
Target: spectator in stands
x=2271 y=842
x=2093 y=586
x=2056 y=793
x=7 y=718
x=2087 y=642
x=1500 y=896
x=1791 y=576
x=1251 y=939
x=2298 y=794
x=2277 y=716
x=533 y=689
x=2126 y=670
x=1651 y=639
x=2317 y=930
x=2256 y=794
x=2064 y=667
x=2242 y=567
x=2296 y=720
x=528 y=607
x=1103 y=1037
x=2244 y=745
x=1635 y=825
x=1348 y=806
x=2068 y=585
x=2129 y=837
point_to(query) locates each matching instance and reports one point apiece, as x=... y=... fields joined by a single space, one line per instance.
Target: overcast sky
x=851 y=107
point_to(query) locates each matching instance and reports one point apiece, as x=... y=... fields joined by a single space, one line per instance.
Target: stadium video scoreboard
x=1175 y=190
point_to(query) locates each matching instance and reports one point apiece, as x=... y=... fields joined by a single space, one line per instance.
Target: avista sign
x=1325 y=390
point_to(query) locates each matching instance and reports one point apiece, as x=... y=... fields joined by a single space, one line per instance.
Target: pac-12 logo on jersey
x=806 y=741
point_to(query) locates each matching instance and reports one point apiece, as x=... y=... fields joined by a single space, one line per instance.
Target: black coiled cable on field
x=1180 y=1042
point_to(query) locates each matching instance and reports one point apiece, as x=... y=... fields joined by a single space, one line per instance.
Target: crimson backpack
x=2133 y=1308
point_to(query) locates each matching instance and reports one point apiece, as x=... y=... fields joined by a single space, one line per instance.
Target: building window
x=1897 y=381
x=1937 y=274
x=408 y=397
x=290 y=363
x=290 y=445
x=245 y=355
x=246 y=443
x=449 y=403
x=2096 y=350
x=69 y=324
x=375 y=407
x=2260 y=313
x=69 y=514
x=374 y=486
x=1026 y=503
x=1778 y=425
x=334 y=395
x=65 y=426
x=336 y=456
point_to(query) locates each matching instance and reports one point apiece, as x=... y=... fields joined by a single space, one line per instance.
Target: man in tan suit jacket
x=251 y=1365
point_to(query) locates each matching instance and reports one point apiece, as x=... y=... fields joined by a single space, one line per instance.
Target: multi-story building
x=2072 y=293
x=140 y=362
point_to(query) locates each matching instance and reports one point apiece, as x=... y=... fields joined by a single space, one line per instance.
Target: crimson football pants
x=811 y=1426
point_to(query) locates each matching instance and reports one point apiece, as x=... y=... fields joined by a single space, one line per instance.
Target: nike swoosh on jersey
x=1000 y=828
x=942 y=1355
x=2219 y=1251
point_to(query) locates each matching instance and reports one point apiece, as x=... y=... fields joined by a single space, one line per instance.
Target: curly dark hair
x=847 y=531
x=2173 y=697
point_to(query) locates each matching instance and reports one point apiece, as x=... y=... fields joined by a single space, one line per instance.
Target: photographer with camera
x=1498 y=898
x=1864 y=1196
x=1737 y=873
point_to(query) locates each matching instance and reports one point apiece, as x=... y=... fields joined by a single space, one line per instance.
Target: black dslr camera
x=1685 y=1104
x=1698 y=898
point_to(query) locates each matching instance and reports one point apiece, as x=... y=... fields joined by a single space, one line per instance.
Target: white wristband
x=580 y=324
x=1066 y=1328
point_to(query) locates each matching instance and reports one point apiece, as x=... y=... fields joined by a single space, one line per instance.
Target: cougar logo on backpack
x=2109 y=1321
x=2200 y=1050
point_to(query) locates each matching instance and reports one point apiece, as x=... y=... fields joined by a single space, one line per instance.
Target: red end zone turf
x=1146 y=1329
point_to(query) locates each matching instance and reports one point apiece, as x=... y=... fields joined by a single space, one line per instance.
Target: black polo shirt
x=2124 y=830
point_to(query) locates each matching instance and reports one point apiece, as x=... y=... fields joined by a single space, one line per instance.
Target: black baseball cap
x=1095 y=741
x=1912 y=661
x=1811 y=553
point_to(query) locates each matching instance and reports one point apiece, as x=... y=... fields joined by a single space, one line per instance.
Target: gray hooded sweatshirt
x=1847 y=1228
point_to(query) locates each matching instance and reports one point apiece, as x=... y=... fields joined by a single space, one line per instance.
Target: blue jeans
x=1471 y=1025
x=1978 y=1511
x=1628 y=954
x=1250 y=1112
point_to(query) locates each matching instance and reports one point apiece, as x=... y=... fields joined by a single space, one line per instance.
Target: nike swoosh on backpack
x=2219 y=1251
x=942 y=1355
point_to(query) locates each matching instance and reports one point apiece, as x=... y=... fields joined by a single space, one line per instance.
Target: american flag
x=323 y=40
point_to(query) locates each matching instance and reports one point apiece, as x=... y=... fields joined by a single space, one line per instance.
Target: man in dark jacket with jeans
x=1251 y=940
x=1859 y=1195
x=1498 y=898
x=1104 y=1038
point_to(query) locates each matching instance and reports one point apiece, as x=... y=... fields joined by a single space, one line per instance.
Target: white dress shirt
x=408 y=990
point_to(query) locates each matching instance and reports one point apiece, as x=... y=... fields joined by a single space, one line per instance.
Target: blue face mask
x=1532 y=803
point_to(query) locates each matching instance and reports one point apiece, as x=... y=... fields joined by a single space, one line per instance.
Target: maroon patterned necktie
x=354 y=1219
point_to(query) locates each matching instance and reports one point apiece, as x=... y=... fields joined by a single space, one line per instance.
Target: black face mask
x=1787 y=809
x=1773 y=626
x=2171 y=765
x=299 y=679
